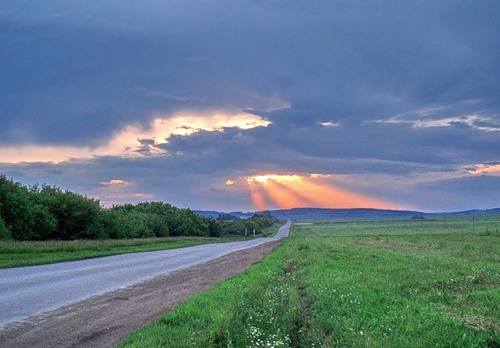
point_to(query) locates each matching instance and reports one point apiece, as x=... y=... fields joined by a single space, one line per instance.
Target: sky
x=242 y=105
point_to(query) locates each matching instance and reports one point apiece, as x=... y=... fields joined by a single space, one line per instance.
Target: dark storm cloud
x=409 y=88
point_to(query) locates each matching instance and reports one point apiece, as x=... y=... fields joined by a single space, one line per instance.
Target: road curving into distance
x=25 y=291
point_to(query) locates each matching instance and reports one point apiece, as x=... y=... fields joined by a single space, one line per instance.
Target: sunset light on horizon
x=305 y=190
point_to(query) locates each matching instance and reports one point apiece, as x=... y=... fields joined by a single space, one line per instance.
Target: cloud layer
x=395 y=101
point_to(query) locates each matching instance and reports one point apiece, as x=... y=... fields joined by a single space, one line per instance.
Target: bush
x=25 y=217
x=129 y=225
x=180 y=222
x=214 y=228
x=124 y=223
x=264 y=219
x=257 y=222
x=44 y=223
x=4 y=230
x=158 y=225
x=77 y=216
x=33 y=213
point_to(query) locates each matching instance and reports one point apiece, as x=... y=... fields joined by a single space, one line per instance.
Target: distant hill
x=212 y=214
x=476 y=212
x=243 y=214
x=209 y=214
x=354 y=213
x=327 y=214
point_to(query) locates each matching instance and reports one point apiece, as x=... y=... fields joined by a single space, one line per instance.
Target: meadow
x=352 y=284
x=27 y=253
x=398 y=227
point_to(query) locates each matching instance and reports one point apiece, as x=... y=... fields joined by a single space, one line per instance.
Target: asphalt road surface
x=25 y=291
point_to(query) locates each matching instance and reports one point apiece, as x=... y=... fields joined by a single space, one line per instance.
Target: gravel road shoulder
x=102 y=321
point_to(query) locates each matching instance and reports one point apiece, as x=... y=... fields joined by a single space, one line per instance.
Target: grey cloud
x=347 y=61
x=79 y=71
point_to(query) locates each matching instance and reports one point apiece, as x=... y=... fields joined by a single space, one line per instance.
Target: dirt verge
x=102 y=321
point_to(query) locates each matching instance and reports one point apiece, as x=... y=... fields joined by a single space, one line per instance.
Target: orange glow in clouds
x=485 y=169
x=291 y=191
x=127 y=140
x=258 y=196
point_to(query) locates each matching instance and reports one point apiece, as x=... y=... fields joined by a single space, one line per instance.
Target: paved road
x=25 y=291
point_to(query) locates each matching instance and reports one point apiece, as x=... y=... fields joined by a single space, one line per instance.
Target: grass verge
x=271 y=230
x=15 y=254
x=405 y=291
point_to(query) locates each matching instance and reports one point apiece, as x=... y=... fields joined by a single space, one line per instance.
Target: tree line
x=242 y=227
x=46 y=212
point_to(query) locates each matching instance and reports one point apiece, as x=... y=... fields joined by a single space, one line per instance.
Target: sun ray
x=284 y=195
x=293 y=190
x=280 y=195
x=257 y=195
x=330 y=196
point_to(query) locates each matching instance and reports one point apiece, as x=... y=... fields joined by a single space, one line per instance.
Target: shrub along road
x=26 y=291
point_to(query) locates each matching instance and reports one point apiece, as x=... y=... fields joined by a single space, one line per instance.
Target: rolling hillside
x=366 y=213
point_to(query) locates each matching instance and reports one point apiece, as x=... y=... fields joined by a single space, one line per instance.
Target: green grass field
x=367 y=285
x=15 y=254
x=363 y=228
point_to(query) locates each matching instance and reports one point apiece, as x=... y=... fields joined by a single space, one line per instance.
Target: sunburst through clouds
x=304 y=190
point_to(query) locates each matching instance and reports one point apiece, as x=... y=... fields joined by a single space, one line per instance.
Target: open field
x=15 y=254
x=440 y=288
x=362 y=228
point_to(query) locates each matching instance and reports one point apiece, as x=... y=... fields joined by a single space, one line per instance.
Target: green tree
x=4 y=230
x=131 y=224
x=77 y=216
x=215 y=228
x=23 y=214
x=50 y=213
x=158 y=225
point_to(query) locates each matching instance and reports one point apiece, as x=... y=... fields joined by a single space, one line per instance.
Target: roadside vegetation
x=43 y=213
x=323 y=288
x=262 y=223
x=43 y=224
x=49 y=213
x=271 y=230
x=28 y=253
